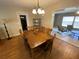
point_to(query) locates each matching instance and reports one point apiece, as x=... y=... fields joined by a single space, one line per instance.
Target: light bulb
x=34 y=11
x=39 y=11
x=77 y=12
x=43 y=12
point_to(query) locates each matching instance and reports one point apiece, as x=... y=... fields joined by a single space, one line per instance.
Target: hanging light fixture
x=38 y=10
x=77 y=12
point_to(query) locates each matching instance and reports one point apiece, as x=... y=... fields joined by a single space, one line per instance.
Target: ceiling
x=26 y=3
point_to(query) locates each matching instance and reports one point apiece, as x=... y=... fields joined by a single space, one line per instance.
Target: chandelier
x=38 y=9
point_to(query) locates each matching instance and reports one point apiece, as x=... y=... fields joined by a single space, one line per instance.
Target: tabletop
x=35 y=39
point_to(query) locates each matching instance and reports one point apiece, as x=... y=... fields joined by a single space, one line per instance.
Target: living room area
x=66 y=25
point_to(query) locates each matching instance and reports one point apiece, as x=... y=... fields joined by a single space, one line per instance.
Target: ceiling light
x=34 y=11
x=77 y=12
x=38 y=10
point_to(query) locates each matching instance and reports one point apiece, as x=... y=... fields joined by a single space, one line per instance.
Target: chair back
x=69 y=27
x=30 y=27
x=48 y=44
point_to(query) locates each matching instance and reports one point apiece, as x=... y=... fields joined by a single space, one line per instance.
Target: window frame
x=72 y=22
x=68 y=16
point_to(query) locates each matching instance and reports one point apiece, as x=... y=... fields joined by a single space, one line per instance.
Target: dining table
x=37 y=38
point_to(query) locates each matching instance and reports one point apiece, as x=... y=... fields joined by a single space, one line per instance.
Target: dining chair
x=48 y=44
x=45 y=49
x=30 y=27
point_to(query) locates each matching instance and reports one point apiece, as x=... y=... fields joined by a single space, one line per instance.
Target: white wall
x=10 y=16
x=51 y=9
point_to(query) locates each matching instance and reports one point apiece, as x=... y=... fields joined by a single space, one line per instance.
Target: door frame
x=27 y=19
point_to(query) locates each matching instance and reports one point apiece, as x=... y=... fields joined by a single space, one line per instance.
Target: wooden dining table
x=35 y=39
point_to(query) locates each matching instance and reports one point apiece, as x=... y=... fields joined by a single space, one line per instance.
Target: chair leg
x=31 y=54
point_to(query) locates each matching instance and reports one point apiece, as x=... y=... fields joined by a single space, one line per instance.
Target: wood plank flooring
x=15 y=49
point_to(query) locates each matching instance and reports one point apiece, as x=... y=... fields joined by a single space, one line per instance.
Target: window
x=67 y=20
x=76 y=22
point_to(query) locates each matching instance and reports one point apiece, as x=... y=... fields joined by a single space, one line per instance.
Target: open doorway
x=23 y=22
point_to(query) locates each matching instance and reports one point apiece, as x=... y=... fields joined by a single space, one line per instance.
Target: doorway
x=23 y=22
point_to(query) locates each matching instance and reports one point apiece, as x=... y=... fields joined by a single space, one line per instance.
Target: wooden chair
x=47 y=46
x=30 y=27
x=44 y=49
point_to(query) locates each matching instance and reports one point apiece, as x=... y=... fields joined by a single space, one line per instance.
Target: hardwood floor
x=15 y=49
x=63 y=50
